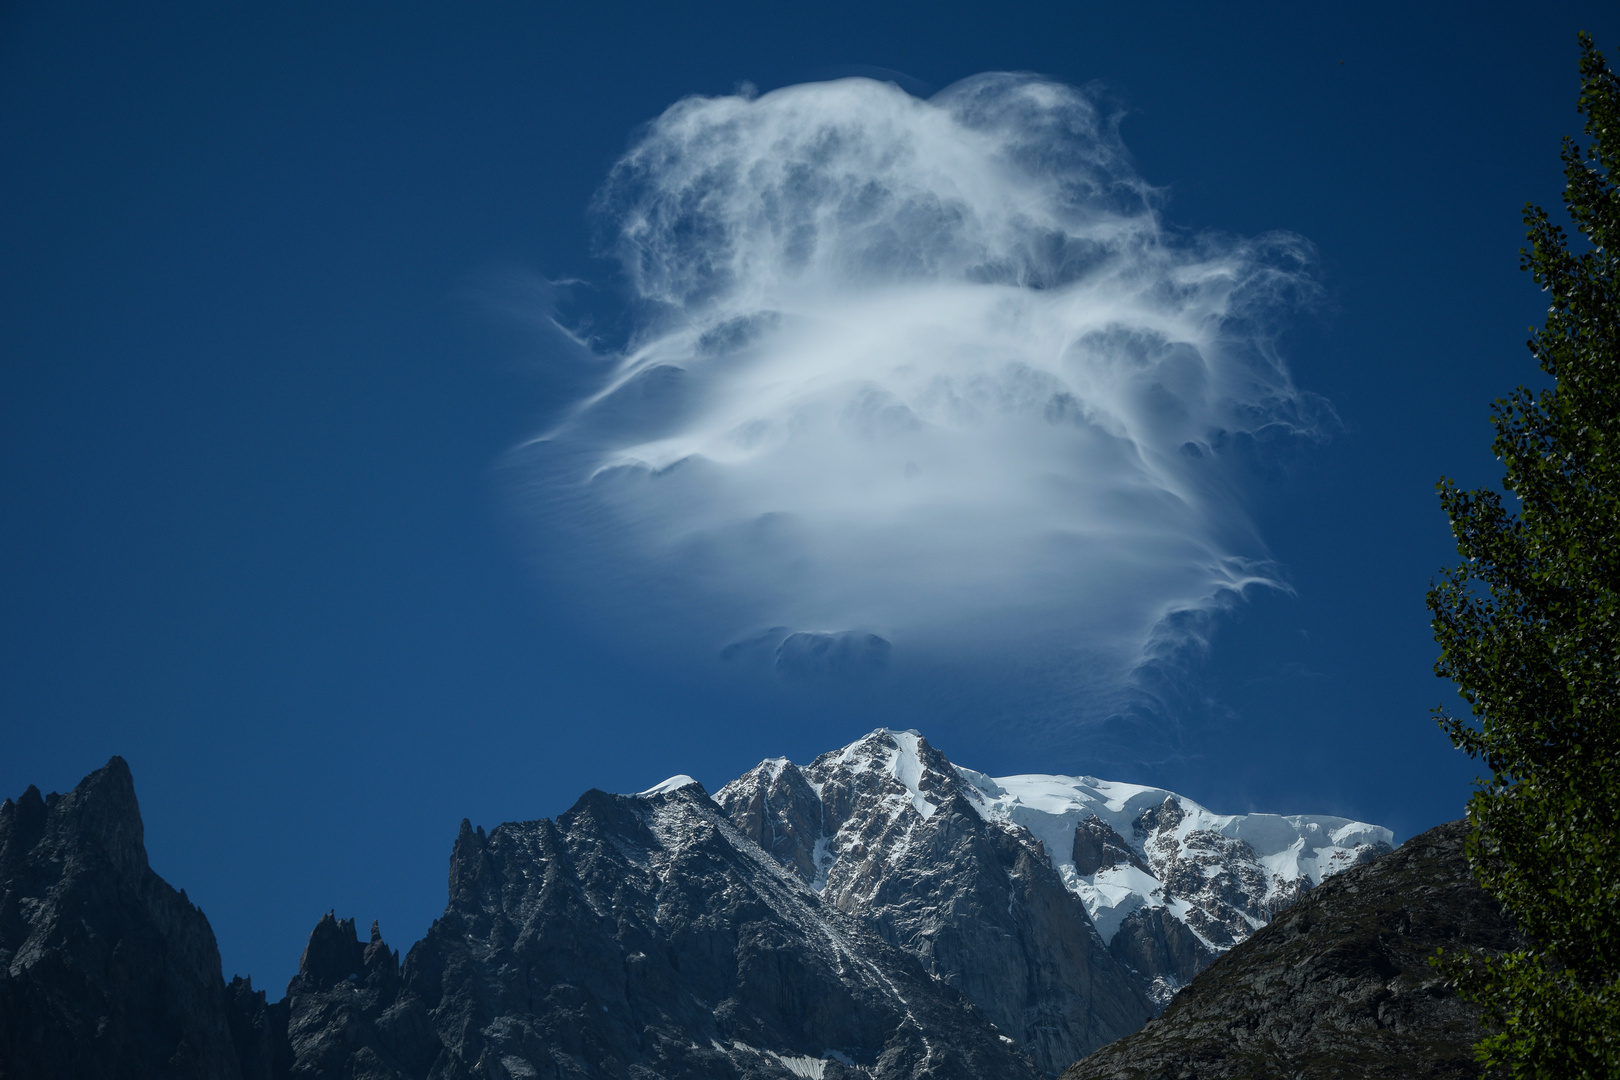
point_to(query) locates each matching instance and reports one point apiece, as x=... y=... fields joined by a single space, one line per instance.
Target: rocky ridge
x=644 y=936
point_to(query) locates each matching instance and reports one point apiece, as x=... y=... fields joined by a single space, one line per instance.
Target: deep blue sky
x=254 y=397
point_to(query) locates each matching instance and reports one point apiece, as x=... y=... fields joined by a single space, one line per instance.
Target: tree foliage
x=1529 y=631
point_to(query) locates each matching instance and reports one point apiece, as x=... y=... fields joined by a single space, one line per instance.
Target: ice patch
x=1112 y=894
x=808 y=1067
x=801 y=1065
x=981 y=783
x=906 y=766
x=822 y=859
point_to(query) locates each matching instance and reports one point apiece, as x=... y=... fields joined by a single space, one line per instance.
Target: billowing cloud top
x=927 y=376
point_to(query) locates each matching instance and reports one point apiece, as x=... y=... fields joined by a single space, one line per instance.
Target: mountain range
x=879 y=912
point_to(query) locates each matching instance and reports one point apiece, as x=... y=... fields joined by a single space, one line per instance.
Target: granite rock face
x=1338 y=986
x=1221 y=876
x=1162 y=949
x=105 y=970
x=977 y=901
x=1098 y=847
x=645 y=936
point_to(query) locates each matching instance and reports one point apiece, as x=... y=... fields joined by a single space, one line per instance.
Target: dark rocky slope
x=105 y=971
x=1338 y=986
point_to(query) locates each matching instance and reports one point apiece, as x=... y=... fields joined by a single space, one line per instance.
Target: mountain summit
x=1069 y=908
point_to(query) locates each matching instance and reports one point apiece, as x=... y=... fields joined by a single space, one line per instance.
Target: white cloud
x=928 y=370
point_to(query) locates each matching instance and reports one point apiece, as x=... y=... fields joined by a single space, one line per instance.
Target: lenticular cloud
x=920 y=377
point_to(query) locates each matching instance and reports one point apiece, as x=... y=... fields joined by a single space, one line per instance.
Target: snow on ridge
x=1029 y=796
x=906 y=766
x=1289 y=848
x=1254 y=863
x=674 y=783
x=981 y=783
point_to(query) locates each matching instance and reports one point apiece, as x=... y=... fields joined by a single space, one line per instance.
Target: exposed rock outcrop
x=105 y=970
x=1098 y=847
x=1338 y=986
x=1161 y=949
x=259 y=1030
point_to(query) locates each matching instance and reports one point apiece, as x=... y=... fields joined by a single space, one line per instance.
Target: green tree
x=1529 y=631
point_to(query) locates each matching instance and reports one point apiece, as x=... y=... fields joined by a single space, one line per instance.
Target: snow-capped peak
x=1119 y=848
x=875 y=828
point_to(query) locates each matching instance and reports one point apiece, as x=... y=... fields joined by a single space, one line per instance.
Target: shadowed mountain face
x=1338 y=986
x=105 y=971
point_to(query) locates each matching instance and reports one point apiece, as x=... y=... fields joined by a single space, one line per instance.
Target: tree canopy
x=1529 y=631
